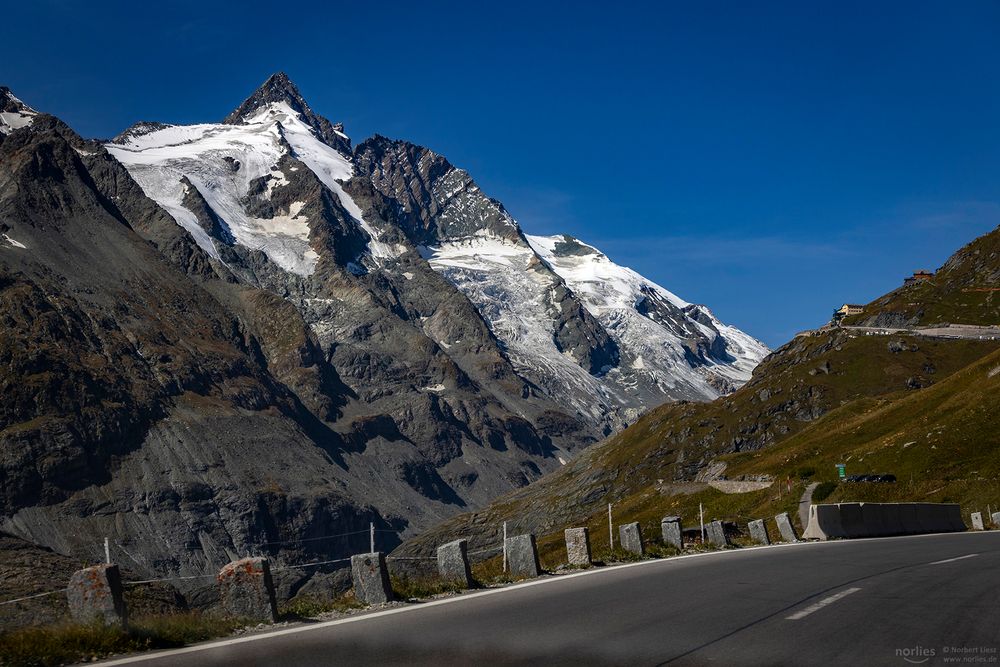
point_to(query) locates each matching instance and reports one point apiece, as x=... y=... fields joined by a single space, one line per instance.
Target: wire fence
x=371 y=531
x=32 y=597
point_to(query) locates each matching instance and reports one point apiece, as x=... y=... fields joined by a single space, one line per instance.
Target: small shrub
x=662 y=551
x=615 y=555
x=490 y=572
x=806 y=472
x=406 y=587
x=309 y=606
x=823 y=491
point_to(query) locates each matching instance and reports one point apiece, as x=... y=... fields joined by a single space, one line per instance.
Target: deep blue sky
x=770 y=160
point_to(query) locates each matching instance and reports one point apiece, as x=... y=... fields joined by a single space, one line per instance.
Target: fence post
x=717 y=534
x=505 y=546
x=758 y=532
x=524 y=556
x=630 y=538
x=96 y=594
x=453 y=563
x=107 y=552
x=371 y=538
x=577 y=546
x=611 y=531
x=785 y=528
x=247 y=590
x=371 y=578
x=670 y=527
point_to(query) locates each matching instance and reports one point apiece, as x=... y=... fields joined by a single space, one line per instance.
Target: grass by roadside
x=309 y=606
x=49 y=646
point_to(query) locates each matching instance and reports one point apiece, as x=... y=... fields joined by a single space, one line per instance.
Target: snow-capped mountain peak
x=588 y=333
x=14 y=114
x=239 y=167
x=279 y=90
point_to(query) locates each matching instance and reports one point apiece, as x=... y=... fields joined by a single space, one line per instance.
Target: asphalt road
x=887 y=601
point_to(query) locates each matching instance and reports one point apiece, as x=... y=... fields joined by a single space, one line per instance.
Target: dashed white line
x=952 y=560
x=822 y=603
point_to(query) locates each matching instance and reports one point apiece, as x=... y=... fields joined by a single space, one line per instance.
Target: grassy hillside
x=652 y=468
x=917 y=407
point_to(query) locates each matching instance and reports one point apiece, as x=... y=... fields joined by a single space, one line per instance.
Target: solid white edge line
x=156 y=655
x=825 y=602
x=952 y=560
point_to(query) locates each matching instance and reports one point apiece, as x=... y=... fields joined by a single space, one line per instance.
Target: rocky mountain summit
x=248 y=336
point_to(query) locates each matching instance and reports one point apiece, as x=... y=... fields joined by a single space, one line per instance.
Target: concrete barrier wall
x=851 y=520
x=908 y=521
x=893 y=518
x=955 y=519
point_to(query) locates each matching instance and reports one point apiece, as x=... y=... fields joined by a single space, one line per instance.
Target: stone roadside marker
x=977 y=521
x=453 y=563
x=95 y=594
x=996 y=519
x=371 y=578
x=578 y=546
x=670 y=526
x=630 y=537
x=717 y=534
x=758 y=532
x=522 y=557
x=247 y=590
x=785 y=528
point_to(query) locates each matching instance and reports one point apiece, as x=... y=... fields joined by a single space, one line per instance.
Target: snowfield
x=221 y=161
x=510 y=288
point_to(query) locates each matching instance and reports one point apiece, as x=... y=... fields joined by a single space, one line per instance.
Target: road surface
x=958 y=331
x=887 y=601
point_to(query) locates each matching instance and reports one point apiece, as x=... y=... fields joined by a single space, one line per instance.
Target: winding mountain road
x=888 y=601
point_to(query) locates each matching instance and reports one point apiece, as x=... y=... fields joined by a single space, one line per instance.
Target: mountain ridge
x=400 y=390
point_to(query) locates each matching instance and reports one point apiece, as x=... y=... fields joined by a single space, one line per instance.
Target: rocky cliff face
x=234 y=337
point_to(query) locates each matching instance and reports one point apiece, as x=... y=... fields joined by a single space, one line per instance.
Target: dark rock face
x=9 y=103
x=436 y=201
x=126 y=379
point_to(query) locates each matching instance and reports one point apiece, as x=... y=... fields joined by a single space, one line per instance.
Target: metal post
x=371 y=541
x=504 y=546
x=701 y=519
x=611 y=531
x=107 y=551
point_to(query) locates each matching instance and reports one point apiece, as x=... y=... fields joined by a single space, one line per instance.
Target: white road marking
x=822 y=603
x=952 y=560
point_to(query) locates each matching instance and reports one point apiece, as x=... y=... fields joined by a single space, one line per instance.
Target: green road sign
x=842 y=470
